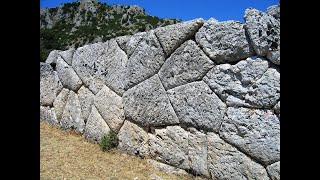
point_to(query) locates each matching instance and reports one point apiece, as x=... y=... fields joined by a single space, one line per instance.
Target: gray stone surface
x=167 y=168
x=255 y=132
x=133 y=139
x=95 y=127
x=197 y=106
x=264 y=32
x=84 y=61
x=129 y=43
x=50 y=85
x=48 y=114
x=226 y=162
x=52 y=57
x=224 y=41
x=110 y=67
x=186 y=64
x=71 y=117
x=274 y=11
x=60 y=103
x=235 y=84
x=172 y=36
x=148 y=104
x=276 y=109
x=154 y=176
x=170 y=145
x=274 y=171
x=110 y=106
x=67 y=55
x=86 y=98
x=145 y=61
x=197 y=152
x=67 y=75
x=265 y=92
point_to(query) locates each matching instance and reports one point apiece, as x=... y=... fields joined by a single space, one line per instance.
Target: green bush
x=109 y=141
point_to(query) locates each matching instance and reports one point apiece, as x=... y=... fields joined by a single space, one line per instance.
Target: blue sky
x=185 y=10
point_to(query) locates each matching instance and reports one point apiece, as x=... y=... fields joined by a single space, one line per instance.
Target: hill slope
x=82 y=22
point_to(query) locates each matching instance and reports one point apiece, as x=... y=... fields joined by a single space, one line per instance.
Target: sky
x=222 y=10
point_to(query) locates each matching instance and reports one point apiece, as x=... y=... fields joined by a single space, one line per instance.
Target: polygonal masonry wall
x=203 y=96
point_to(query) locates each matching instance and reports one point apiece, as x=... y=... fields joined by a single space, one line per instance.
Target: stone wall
x=202 y=96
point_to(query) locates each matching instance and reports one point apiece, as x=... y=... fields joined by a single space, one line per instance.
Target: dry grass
x=67 y=155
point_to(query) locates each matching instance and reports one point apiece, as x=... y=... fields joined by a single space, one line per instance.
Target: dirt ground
x=68 y=155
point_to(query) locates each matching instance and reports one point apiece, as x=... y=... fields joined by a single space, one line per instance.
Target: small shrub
x=109 y=141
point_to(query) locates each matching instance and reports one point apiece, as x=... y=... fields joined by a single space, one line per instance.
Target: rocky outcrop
x=201 y=97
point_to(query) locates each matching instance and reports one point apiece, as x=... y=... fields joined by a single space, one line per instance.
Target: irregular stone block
x=276 y=109
x=224 y=41
x=95 y=127
x=145 y=61
x=129 y=43
x=226 y=162
x=274 y=11
x=48 y=114
x=264 y=32
x=72 y=117
x=255 y=132
x=86 y=98
x=148 y=104
x=248 y=83
x=186 y=64
x=170 y=145
x=172 y=36
x=133 y=139
x=274 y=171
x=60 y=103
x=197 y=152
x=50 y=85
x=67 y=55
x=197 y=106
x=166 y=168
x=110 y=106
x=52 y=57
x=67 y=75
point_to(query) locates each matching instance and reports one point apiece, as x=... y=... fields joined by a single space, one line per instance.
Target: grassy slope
x=67 y=155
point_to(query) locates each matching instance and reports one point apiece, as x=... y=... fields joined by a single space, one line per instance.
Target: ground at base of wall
x=67 y=155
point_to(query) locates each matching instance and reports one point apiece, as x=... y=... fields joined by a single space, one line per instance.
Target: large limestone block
x=226 y=162
x=170 y=145
x=224 y=41
x=72 y=116
x=265 y=92
x=60 y=103
x=264 y=32
x=95 y=127
x=197 y=152
x=255 y=132
x=167 y=168
x=129 y=43
x=148 y=104
x=52 y=57
x=67 y=55
x=145 y=61
x=274 y=171
x=67 y=75
x=110 y=106
x=84 y=61
x=197 y=106
x=186 y=64
x=86 y=98
x=48 y=114
x=248 y=83
x=110 y=67
x=50 y=84
x=172 y=36
x=133 y=139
